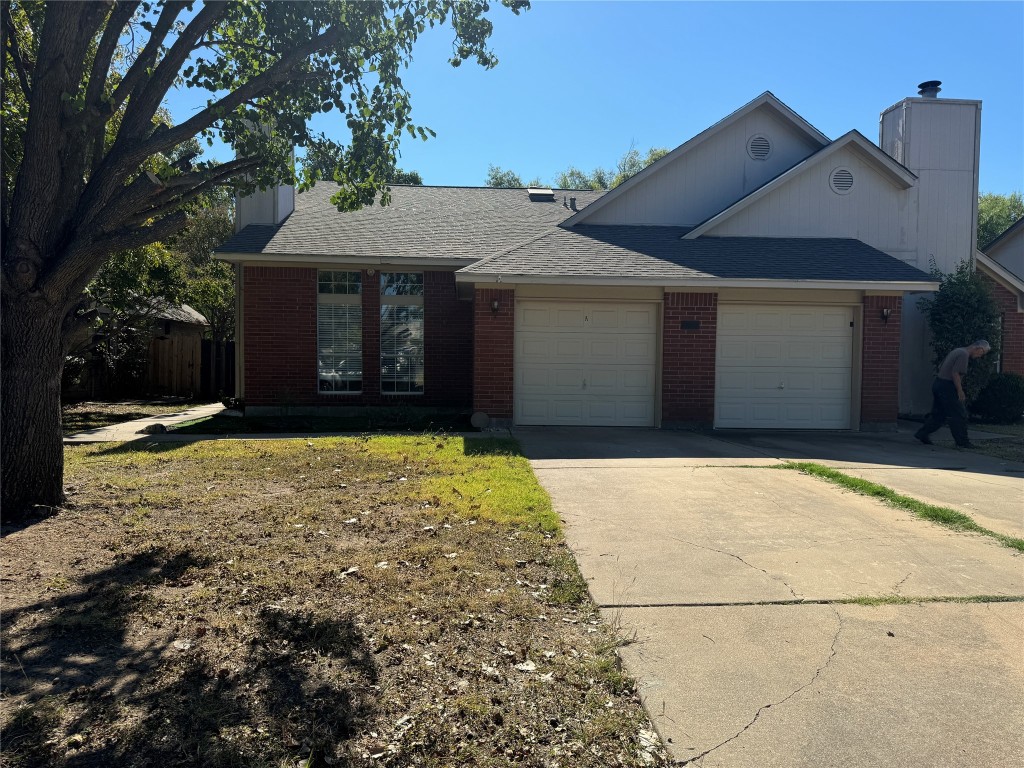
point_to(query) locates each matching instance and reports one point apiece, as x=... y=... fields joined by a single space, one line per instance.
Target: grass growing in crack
x=950 y=518
x=901 y=600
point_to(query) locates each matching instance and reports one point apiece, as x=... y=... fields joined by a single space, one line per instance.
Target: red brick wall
x=493 y=352
x=880 y=361
x=448 y=342
x=1012 y=353
x=279 y=306
x=688 y=358
x=281 y=341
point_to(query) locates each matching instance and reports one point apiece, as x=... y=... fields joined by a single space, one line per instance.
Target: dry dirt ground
x=377 y=601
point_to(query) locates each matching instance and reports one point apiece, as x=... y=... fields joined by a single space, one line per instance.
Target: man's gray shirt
x=955 y=362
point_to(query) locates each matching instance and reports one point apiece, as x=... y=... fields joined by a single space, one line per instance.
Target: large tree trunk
x=31 y=443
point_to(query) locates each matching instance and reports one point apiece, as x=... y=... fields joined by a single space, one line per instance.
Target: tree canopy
x=91 y=169
x=630 y=164
x=996 y=213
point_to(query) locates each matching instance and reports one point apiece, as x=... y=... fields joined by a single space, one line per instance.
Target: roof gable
x=1001 y=275
x=799 y=139
x=897 y=175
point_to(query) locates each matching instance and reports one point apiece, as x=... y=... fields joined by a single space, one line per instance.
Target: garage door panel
x=586 y=363
x=784 y=367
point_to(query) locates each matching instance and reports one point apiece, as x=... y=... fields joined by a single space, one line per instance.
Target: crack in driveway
x=744 y=729
x=737 y=557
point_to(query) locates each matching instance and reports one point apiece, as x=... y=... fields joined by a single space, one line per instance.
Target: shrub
x=1002 y=399
x=961 y=312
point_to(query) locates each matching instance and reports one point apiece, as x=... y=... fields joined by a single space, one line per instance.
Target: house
x=760 y=275
x=1002 y=264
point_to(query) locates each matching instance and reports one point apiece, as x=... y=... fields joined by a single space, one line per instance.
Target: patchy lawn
x=366 y=601
x=1010 y=447
x=78 y=417
x=361 y=420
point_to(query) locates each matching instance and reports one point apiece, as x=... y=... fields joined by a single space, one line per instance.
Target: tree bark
x=31 y=442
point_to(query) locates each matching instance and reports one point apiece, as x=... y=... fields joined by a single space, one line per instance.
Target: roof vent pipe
x=929 y=89
x=572 y=203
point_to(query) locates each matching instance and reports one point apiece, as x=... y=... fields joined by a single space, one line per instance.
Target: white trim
x=696 y=282
x=897 y=174
x=765 y=99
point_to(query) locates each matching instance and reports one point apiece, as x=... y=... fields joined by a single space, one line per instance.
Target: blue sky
x=579 y=82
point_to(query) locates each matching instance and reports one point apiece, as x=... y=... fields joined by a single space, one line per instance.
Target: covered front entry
x=585 y=363
x=784 y=367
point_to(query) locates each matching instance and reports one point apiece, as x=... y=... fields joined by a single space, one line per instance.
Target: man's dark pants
x=946 y=406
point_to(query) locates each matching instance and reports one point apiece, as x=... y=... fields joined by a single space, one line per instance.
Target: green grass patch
x=950 y=518
x=901 y=600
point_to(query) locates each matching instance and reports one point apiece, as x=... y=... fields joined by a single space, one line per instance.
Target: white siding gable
x=711 y=176
x=1009 y=252
x=875 y=211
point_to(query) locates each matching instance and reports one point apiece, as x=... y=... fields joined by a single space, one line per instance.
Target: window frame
x=347 y=298
x=404 y=299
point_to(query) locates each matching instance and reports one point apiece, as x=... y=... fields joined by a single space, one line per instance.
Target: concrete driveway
x=727 y=573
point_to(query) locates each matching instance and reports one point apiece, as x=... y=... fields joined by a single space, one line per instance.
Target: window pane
x=401 y=283
x=339 y=282
x=340 y=347
x=401 y=348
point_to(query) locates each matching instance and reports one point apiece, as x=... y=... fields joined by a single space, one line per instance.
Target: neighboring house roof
x=590 y=254
x=436 y=225
x=766 y=99
x=1006 y=234
x=895 y=172
x=179 y=314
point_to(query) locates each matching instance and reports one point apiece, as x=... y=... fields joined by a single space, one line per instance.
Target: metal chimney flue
x=572 y=203
x=929 y=89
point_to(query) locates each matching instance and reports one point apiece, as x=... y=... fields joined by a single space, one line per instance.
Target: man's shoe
x=965 y=445
x=923 y=438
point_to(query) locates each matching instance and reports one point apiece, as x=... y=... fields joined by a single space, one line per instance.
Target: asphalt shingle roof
x=420 y=222
x=512 y=235
x=659 y=253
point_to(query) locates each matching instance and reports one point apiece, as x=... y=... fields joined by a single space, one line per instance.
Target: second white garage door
x=784 y=367
x=585 y=363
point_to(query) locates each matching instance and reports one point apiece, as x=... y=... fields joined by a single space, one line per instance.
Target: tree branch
x=175 y=196
x=136 y=237
x=21 y=65
x=117 y=20
x=147 y=95
x=276 y=74
x=140 y=67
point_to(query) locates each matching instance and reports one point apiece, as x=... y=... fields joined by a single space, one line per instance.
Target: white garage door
x=782 y=367
x=585 y=363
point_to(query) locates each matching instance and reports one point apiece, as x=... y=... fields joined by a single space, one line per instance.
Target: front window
x=339 y=323
x=401 y=332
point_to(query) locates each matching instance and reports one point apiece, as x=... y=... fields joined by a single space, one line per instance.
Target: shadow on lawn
x=96 y=686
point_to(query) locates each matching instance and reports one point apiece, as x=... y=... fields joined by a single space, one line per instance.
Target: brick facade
x=688 y=358
x=880 y=362
x=279 y=310
x=493 y=352
x=1011 y=358
x=280 y=330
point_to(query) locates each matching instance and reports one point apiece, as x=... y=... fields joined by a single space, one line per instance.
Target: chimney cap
x=929 y=88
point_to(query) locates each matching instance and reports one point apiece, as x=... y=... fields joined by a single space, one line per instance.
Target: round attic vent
x=759 y=147
x=841 y=181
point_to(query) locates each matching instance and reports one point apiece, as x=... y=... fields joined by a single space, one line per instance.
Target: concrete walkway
x=728 y=575
x=127 y=431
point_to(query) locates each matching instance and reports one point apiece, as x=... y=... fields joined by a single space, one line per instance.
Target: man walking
x=948 y=399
